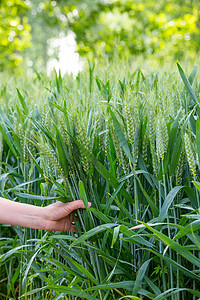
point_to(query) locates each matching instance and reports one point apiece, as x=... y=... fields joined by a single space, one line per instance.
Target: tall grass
x=128 y=143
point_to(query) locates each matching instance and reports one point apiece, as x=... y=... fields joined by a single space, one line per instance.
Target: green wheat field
x=127 y=142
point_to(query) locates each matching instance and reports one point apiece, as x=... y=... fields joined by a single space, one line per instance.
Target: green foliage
x=14 y=31
x=154 y=30
x=164 y=28
x=70 y=138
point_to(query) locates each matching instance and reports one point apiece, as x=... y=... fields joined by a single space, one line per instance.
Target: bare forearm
x=56 y=216
x=21 y=214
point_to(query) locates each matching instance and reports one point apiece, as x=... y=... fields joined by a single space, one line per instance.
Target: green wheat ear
x=124 y=161
x=53 y=159
x=180 y=167
x=190 y=155
x=82 y=138
x=107 y=141
x=151 y=134
x=145 y=148
x=44 y=114
x=161 y=138
x=64 y=131
x=130 y=124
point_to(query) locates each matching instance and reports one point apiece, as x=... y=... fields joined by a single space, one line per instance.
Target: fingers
x=72 y=218
x=71 y=206
x=74 y=228
x=60 y=210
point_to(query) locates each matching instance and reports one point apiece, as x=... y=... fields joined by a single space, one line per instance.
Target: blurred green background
x=154 y=30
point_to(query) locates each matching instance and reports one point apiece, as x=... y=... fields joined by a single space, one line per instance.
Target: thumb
x=71 y=206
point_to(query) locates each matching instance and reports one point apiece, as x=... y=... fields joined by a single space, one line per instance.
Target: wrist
x=22 y=214
x=43 y=219
x=37 y=219
x=30 y=216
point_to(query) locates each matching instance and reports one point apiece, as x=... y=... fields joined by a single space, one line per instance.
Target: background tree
x=134 y=27
x=45 y=21
x=14 y=32
x=153 y=29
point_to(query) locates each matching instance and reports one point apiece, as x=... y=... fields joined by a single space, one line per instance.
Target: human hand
x=59 y=216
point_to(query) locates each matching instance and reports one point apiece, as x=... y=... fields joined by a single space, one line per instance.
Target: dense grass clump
x=130 y=144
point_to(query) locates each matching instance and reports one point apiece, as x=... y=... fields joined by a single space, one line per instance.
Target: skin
x=55 y=217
